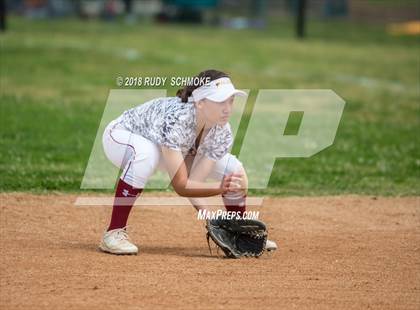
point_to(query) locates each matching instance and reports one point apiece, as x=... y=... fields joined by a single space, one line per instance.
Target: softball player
x=187 y=135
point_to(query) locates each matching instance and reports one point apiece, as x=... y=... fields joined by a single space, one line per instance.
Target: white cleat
x=270 y=246
x=116 y=241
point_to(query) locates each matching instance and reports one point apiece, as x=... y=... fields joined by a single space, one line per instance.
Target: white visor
x=218 y=90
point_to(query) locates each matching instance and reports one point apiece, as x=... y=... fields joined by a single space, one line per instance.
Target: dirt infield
x=335 y=252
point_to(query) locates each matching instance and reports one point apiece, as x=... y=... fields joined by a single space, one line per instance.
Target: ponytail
x=185 y=92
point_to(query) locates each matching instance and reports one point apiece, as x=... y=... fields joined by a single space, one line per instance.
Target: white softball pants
x=139 y=157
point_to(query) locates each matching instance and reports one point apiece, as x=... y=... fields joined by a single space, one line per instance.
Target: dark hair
x=211 y=75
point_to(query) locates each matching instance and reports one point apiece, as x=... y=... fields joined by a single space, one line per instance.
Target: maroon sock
x=125 y=196
x=235 y=203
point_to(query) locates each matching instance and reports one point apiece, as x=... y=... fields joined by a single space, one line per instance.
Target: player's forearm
x=193 y=188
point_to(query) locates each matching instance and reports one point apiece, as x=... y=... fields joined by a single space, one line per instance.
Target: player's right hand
x=232 y=183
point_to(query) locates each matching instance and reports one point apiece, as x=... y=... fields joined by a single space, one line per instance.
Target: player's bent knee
x=143 y=165
x=233 y=165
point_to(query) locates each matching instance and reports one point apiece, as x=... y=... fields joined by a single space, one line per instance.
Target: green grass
x=55 y=78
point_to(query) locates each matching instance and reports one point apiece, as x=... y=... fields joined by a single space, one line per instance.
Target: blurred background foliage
x=59 y=59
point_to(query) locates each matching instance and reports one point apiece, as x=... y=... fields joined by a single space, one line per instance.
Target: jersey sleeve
x=219 y=144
